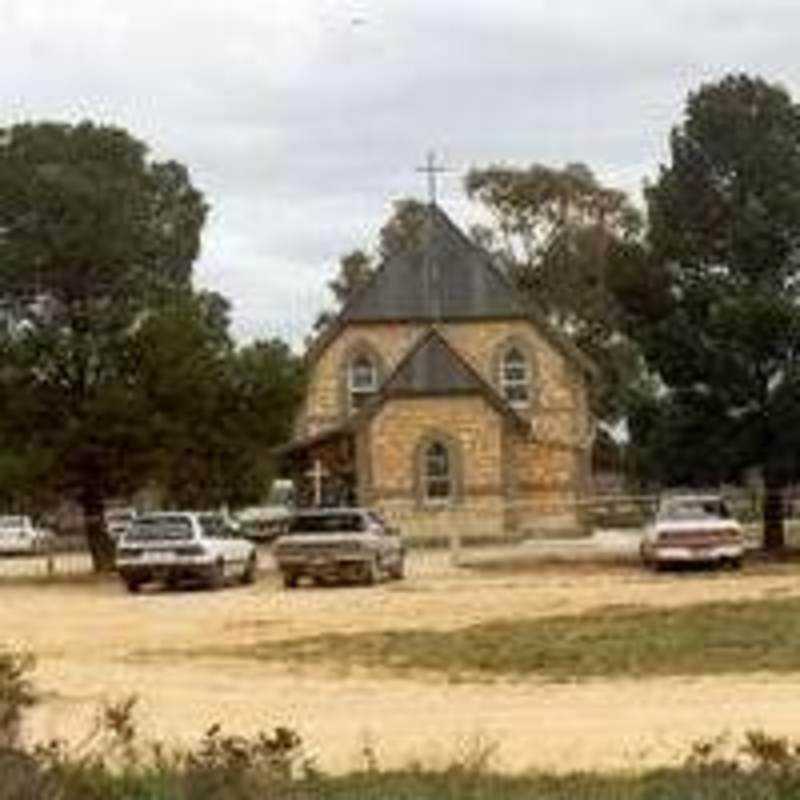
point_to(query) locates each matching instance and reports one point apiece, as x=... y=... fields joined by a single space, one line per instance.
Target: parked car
x=339 y=544
x=118 y=520
x=18 y=534
x=171 y=547
x=266 y=522
x=692 y=529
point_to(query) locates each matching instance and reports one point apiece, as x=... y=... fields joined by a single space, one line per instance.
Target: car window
x=693 y=509
x=8 y=523
x=174 y=526
x=327 y=523
x=214 y=526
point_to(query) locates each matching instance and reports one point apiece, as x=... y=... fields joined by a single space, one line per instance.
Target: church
x=441 y=398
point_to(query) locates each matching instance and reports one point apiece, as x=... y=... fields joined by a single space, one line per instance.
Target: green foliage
x=618 y=641
x=724 y=231
x=116 y=373
x=569 y=244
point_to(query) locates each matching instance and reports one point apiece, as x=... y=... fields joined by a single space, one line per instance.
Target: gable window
x=362 y=380
x=515 y=378
x=437 y=473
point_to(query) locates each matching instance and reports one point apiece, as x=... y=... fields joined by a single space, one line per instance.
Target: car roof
x=329 y=511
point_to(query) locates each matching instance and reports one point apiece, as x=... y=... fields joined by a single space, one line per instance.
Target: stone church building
x=440 y=397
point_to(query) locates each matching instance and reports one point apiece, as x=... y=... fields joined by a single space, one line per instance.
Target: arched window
x=515 y=378
x=362 y=380
x=437 y=475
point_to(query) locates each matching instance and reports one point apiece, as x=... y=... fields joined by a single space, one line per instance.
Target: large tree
x=566 y=242
x=94 y=238
x=725 y=237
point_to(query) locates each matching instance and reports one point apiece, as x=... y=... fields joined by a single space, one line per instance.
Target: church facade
x=441 y=398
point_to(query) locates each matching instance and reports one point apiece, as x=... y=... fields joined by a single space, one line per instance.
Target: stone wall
x=511 y=479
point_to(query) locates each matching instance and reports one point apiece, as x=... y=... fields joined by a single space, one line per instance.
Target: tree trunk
x=774 y=531
x=100 y=545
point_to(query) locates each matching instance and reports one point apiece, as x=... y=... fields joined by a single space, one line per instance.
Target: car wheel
x=172 y=582
x=132 y=585
x=249 y=574
x=735 y=563
x=217 y=578
x=289 y=580
x=398 y=572
x=372 y=572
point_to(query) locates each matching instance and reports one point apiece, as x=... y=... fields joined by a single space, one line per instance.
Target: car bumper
x=166 y=569
x=698 y=554
x=323 y=565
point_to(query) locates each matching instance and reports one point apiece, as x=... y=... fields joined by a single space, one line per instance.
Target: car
x=118 y=520
x=175 y=546
x=263 y=524
x=19 y=535
x=331 y=545
x=693 y=528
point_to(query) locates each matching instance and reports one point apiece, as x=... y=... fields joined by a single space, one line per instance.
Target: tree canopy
x=725 y=245
x=569 y=244
x=115 y=371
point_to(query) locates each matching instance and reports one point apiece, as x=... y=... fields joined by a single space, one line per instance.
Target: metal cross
x=431 y=169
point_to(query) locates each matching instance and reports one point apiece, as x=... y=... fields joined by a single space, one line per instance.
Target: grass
x=614 y=642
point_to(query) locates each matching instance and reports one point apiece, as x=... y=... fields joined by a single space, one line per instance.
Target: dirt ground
x=95 y=643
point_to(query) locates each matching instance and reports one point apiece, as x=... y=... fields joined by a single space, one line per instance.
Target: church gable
x=444 y=277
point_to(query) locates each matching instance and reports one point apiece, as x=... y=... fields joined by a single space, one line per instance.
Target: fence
x=601 y=525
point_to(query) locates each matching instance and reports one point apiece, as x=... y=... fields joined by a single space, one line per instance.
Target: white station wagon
x=174 y=546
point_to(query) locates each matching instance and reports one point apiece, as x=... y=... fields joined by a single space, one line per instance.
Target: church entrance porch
x=323 y=470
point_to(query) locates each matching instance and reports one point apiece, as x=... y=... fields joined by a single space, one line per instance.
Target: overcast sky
x=301 y=120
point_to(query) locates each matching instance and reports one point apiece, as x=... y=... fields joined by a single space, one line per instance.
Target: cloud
x=302 y=119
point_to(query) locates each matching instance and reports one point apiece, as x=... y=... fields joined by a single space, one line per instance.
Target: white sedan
x=173 y=546
x=19 y=535
x=693 y=529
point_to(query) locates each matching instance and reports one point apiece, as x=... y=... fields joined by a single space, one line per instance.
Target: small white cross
x=317 y=474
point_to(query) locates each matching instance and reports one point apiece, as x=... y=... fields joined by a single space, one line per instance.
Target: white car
x=693 y=529
x=19 y=535
x=173 y=546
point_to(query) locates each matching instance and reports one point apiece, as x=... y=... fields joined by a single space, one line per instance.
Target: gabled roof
x=445 y=277
x=432 y=367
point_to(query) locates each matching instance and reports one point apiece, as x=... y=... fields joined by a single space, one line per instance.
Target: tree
x=94 y=238
x=725 y=234
x=566 y=241
x=403 y=229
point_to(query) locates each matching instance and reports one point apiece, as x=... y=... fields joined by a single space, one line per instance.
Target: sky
x=302 y=120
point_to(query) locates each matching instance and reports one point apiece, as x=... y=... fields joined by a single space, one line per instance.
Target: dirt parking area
x=96 y=643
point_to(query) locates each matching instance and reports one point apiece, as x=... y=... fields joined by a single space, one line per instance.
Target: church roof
x=443 y=277
x=432 y=367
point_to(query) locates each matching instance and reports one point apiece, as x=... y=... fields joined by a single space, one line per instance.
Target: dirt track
x=89 y=640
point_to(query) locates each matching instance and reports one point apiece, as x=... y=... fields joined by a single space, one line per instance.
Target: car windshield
x=167 y=527
x=326 y=523
x=280 y=495
x=119 y=516
x=9 y=523
x=694 y=508
x=214 y=525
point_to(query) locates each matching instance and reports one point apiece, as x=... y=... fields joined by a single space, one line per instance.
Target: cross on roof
x=432 y=169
